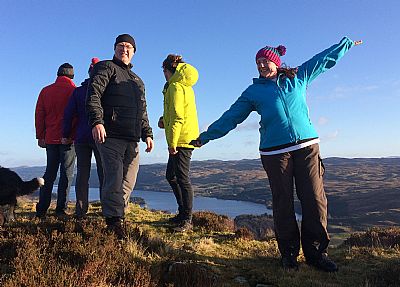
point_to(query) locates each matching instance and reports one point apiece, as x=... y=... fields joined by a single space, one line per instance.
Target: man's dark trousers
x=120 y=160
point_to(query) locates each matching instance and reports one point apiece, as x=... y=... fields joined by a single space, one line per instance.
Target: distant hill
x=361 y=191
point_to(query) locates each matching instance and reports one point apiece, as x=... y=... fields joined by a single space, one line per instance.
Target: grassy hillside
x=57 y=252
x=362 y=192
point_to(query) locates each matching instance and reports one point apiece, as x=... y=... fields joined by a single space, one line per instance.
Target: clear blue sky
x=355 y=106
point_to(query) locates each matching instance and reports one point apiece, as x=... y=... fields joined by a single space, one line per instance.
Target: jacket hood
x=185 y=74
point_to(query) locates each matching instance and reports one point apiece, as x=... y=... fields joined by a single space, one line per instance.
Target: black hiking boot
x=323 y=263
x=175 y=219
x=62 y=215
x=115 y=225
x=290 y=263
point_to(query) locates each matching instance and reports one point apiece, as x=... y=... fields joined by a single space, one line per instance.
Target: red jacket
x=50 y=108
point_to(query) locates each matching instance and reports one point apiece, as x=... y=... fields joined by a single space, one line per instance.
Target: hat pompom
x=95 y=60
x=281 y=50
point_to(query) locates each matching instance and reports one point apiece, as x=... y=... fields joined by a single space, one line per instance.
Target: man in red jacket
x=49 y=114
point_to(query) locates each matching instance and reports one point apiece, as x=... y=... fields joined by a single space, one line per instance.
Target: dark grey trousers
x=84 y=153
x=304 y=169
x=177 y=175
x=120 y=161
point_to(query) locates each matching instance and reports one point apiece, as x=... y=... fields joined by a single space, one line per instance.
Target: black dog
x=12 y=186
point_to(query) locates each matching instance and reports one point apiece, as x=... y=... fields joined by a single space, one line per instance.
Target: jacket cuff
x=96 y=123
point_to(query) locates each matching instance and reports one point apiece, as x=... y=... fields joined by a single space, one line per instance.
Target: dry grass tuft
x=210 y=221
x=244 y=233
x=184 y=274
x=375 y=237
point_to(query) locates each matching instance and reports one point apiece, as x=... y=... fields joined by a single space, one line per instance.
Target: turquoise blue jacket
x=281 y=104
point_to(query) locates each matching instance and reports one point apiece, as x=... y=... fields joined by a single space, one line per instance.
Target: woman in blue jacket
x=289 y=149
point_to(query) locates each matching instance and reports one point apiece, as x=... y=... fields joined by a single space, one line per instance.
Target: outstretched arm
x=236 y=114
x=325 y=60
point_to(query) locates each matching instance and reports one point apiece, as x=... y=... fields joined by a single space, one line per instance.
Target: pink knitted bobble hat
x=272 y=54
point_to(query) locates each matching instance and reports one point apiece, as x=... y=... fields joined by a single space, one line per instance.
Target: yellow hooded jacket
x=180 y=114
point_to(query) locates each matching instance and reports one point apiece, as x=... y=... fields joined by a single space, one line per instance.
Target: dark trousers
x=304 y=168
x=84 y=153
x=120 y=161
x=63 y=157
x=177 y=175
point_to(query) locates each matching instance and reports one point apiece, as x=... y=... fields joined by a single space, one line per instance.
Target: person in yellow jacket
x=181 y=125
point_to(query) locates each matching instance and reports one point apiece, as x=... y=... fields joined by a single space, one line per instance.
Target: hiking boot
x=62 y=214
x=185 y=225
x=39 y=217
x=323 y=263
x=175 y=219
x=290 y=263
x=115 y=225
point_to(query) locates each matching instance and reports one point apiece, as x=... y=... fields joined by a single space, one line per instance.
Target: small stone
x=241 y=280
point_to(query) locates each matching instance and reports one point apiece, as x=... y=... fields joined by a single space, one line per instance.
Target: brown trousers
x=304 y=169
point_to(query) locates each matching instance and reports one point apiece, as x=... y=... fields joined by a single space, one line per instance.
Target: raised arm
x=236 y=114
x=325 y=60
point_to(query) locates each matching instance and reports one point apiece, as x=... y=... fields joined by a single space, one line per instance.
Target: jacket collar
x=85 y=82
x=262 y=80
x=121 y=64
x=64 y=79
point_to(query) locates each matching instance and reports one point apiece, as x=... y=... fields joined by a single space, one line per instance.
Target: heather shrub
x=54 y=254
x=375 y=237
x=244 y=233
x=210 y=221
x=184 y=274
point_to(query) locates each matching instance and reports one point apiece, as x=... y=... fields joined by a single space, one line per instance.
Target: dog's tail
x=30 y=186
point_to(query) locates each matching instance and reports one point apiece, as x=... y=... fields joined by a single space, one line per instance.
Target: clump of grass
x=375 y=237
x=385 y=275
x=152 y=243
x=184 y=274
x=244 y=233
x=210 y=221
x=205 y=245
